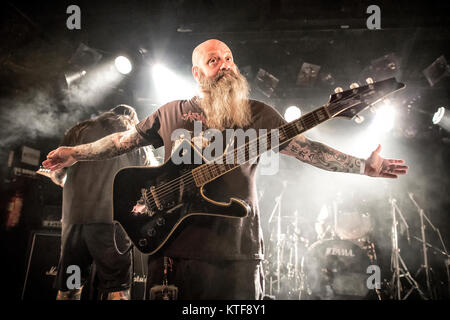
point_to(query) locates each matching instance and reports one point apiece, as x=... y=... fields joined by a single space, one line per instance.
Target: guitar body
x=151 y=203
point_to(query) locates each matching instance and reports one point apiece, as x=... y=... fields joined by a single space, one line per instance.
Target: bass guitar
x=151 y=203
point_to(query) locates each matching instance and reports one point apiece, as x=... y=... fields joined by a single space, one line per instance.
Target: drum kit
x=332 y=267
x=336 y=265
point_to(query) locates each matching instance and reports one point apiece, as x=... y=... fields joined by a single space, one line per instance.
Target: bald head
x=208 y=45
x=211 y=56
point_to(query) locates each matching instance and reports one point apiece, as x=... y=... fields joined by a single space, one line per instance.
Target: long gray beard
x=225 y=100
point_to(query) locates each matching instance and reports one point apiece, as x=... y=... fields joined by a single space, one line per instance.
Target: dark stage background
x=276 y=36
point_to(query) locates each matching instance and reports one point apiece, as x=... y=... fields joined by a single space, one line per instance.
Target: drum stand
x=298 y=274
x=400 y=271
x=277 y=209
x=425 y=244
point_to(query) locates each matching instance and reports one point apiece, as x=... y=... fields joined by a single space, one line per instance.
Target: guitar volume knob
x=151 y=232
x=142 y=242
x=160 y=221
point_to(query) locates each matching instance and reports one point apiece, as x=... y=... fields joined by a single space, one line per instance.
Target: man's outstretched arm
x=327 y=158
x=108 y=147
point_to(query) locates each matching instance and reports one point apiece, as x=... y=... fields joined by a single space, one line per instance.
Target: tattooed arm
x=105 y=148
x=324 y=157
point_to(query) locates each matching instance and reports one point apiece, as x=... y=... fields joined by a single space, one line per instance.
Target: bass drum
x=336 y=269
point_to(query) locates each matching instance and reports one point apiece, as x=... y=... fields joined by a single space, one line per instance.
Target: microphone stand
x=277 y=209
x=425 y=246
x=400 y=271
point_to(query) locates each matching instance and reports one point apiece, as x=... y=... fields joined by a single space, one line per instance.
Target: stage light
x=438 y=70
x=266 y=83
x=123 y=65
x=85 y=57
x=72 y=77
x=170 y=86
x=292 y=113
x=308 y=75
x=384 y=118
x=438 y=115
x=442 y=118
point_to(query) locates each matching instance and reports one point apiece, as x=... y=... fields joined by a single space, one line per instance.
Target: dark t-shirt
x=87 y=193
x=204 y=237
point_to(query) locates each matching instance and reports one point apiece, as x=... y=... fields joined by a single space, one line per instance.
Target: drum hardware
x=303 y=287
x=284 y=273
x=280 y=240
x=400 y=271
x=295 y=274
x=425 y=266
x=277 y=209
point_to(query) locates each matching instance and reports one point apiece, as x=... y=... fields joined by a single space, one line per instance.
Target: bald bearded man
x=217 y=257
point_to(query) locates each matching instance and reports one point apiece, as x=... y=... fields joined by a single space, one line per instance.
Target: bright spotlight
x=442 y=118
x=292 y=113
x=123 y=65
x=438 y=115
x=170 y=86
x=384 y=118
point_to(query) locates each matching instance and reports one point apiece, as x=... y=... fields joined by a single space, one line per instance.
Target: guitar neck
x=289 y=130
x=253 y=149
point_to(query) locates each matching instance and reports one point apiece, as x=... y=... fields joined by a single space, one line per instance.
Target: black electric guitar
x=152 y=203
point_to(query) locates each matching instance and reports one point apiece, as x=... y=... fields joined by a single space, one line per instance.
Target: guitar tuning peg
x=369 y=80
x=338 y=90
x=354 y=85
x=359 y=119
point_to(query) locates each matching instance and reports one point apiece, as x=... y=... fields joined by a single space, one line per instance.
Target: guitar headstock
x=44 y=172
x=347 y=104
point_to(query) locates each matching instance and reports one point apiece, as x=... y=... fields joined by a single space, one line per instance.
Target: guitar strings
x=163 y=191
x=205 y=168
x=172 y=185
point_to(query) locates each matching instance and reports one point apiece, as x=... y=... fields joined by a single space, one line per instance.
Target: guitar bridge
x=143 y=205
x=155 y=197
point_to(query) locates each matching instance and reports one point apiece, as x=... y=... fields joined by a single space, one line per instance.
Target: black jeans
x=82 y=244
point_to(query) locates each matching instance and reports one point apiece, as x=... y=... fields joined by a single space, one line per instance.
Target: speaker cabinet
x=42 y=264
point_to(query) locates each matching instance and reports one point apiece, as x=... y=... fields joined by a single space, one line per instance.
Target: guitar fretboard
x=253 y=149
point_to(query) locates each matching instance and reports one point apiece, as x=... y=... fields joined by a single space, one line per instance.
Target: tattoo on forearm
x=110 y=146
x=322 y=156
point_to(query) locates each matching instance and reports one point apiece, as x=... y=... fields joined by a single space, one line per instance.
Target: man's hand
x=377 y=166
x=60 y=158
